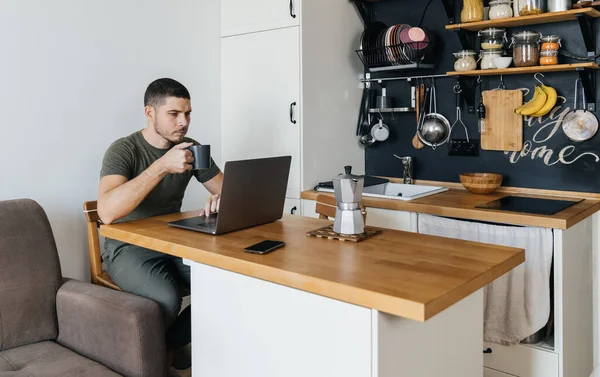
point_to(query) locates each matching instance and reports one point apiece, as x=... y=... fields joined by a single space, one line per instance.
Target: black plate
x=369 y=40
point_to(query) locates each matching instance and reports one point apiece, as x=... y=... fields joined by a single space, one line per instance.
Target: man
x=145 y=174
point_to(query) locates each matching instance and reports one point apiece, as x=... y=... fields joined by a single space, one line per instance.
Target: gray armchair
x=55 y=328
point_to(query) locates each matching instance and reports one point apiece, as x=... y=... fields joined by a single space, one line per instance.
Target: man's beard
x=175 y=139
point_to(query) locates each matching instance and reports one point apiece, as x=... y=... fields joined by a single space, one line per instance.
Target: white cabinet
x=292 y=207
x=262 y=122
x=309 y=208
x=241 y=17
x=391 y=219
x=292 y=90
x=521 y=360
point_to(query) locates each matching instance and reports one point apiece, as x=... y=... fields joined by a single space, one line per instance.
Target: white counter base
x=246 y=327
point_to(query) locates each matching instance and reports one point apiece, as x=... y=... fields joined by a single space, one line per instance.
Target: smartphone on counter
x=264 y=247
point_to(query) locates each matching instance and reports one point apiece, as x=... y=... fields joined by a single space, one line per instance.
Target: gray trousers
x=159 y=277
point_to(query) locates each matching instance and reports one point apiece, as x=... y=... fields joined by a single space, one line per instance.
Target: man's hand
x=212 y=205
x=177 y=160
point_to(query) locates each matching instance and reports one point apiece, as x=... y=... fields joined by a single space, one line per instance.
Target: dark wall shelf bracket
x=587 y=32
x=588 y=80
x=364 y=11
x=450 y=6
x=468 y=86
x=466 y=38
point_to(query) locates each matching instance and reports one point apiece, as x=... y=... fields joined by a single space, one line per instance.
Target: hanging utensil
x=361 y=113
x=380 y=131
x=366 y=139
x=580 y=124
x=435 y=128
x=461 y=147
x=416 y=142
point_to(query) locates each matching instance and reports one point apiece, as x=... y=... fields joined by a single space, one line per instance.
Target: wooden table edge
x=358 y=296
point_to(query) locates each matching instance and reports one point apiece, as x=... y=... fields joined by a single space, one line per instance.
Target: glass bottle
x=487 y=58
x=465 y=60
x=526 y=48
x=500 y=9
x=551 y=43
x=472 y=11
x=492 y=38
x=549 y=57
x=531 y=7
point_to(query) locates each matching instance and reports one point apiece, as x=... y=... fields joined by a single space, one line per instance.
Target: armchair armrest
x=121 y=331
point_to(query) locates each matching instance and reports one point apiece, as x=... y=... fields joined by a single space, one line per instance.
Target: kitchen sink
x=399 y=191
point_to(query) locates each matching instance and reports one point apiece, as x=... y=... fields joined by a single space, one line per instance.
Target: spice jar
x=487 y=58
x=472 y=11
x=492 y=38
x=500 y=9
x=531 y=7
x=465 y=60
x=551 y=43
x=549 y=57
x=526 y=50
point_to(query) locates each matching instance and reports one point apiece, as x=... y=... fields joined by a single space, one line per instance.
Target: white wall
x=73 y=75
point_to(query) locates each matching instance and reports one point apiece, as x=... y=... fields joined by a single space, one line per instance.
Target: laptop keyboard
x=210 y=221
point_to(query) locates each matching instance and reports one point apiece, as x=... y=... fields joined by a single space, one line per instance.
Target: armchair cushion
x=29 y=275
x=120 y=330
x=48 y=359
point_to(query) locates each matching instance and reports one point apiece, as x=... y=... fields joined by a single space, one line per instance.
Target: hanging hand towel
x=517 y=304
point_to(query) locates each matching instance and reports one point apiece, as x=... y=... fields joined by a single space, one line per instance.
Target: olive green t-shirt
x=129 y=157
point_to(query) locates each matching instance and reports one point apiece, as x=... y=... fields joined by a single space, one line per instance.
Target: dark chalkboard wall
x=519 y=171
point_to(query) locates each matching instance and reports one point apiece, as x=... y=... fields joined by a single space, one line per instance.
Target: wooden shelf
x=569 y=15
x=525 y=70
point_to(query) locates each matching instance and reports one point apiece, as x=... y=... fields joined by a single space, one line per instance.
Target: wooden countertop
x=405 y=274
x=461 y=204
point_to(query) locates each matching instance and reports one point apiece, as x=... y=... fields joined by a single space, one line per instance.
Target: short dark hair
x=159 y=90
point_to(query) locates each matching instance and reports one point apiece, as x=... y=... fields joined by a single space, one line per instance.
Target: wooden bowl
x=481 y=183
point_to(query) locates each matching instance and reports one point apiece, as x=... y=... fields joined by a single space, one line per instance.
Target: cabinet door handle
x=487 y=350
x=292 y=112
x=292 y=9
x=293 y=210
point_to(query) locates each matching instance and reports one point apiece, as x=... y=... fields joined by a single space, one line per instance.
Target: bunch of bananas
x=543 y=101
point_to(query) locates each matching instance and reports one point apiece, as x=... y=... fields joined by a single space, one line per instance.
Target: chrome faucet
x=407 y=164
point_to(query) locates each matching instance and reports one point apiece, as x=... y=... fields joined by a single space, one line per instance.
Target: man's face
x=172 y=120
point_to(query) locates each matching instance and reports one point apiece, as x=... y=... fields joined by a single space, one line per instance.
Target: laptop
x=253 y=193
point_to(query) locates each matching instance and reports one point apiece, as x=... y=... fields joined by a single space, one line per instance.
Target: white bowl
x=503 y=61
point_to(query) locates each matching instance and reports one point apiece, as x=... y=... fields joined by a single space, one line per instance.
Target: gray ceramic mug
x=201 y=155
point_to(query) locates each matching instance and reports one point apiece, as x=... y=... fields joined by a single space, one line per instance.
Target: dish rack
x=399 y=56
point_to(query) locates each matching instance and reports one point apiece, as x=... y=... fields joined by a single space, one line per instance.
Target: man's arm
x=118 y=196
x=212 y=202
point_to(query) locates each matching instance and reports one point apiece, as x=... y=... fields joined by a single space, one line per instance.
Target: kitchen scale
x=537 y=206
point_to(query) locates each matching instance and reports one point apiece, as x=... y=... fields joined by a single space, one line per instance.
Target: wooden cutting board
x=503 y=129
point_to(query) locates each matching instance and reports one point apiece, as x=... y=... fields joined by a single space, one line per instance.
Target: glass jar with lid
x=488 y=56
x=551 y=43
x=549 y=57
x=500 y=9
x=492 y=38
x=465 y=60
x=472 y=11
x=526 y=48
x=531 y=7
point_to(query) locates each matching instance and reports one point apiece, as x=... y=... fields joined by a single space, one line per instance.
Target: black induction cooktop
x=536 y=206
